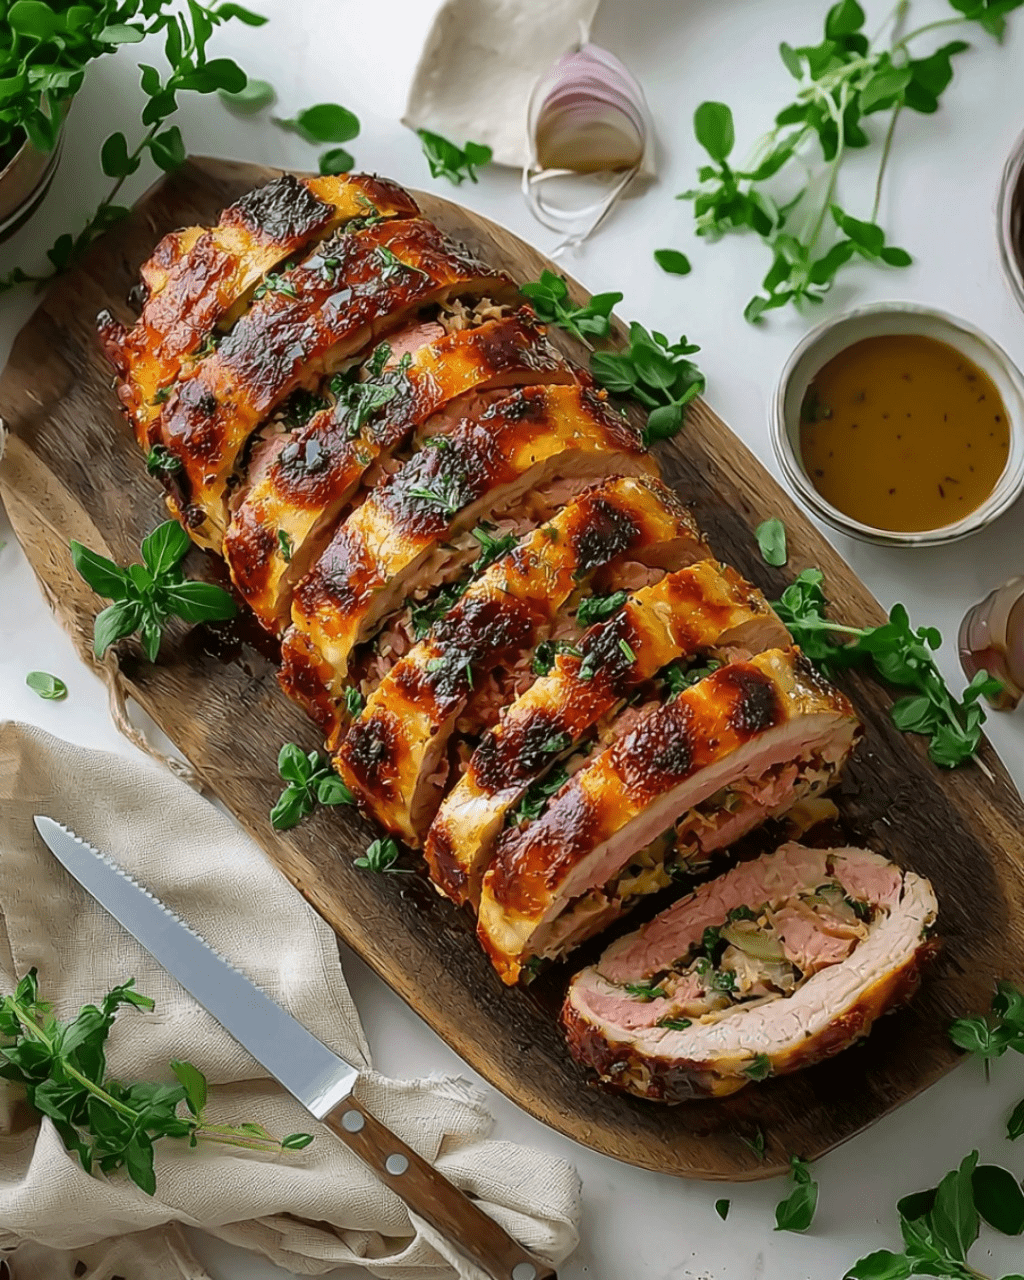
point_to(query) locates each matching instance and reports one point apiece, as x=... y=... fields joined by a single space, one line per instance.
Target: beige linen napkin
x=309 y=1211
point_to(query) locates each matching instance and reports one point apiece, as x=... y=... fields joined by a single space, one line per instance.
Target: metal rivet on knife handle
x=430 y=1195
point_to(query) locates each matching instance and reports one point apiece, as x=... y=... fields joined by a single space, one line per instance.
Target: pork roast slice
x=198 y=279
x=775 y=965
x=742 y=745
x=702 y=608
x=354 y=289
x=393 y=755
x=407 y=532
x=285 y=519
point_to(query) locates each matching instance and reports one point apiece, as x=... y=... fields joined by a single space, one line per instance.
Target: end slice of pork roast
x=779 y=963
x=741 y=746
x=704 y=608
x=200 y=279
x=393 y=756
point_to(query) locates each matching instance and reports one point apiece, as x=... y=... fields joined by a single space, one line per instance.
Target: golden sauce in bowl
x=903 y=432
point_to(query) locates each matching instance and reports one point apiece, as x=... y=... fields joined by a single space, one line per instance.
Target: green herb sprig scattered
x=311 y=781
x=43 y=65
x=446 y=160
x=785 y=194
x=796 y=1211
x=52 y=688
x=550 y=298
x=146 y=595
x=656 y=374
x=593 y=609
x=673 y=262
x=536 y=797
x=325 y=122
x=381 y=857
x=940 y=1226
x=107 y=1124
x=771 y=541
x=899 y=655
x=989 y=1036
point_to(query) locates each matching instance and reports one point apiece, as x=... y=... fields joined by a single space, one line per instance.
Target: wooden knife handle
x=430 y=1195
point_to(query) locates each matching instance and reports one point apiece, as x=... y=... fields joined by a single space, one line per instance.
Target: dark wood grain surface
x=72 y=470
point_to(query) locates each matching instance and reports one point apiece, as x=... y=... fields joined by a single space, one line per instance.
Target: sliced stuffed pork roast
x=475 y=657
x=522 y=458
x=775 y=965
x=702 y=609
x=302 y=476
x=742 y=745
x=356 y=286
x=199 y=280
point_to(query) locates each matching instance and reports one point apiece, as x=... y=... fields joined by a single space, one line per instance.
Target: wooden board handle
x=430 y=1195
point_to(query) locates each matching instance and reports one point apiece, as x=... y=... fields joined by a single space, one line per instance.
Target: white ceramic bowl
x=1010 y=221
x=878 y=320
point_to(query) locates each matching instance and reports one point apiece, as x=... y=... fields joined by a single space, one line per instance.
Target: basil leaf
x=1015 y=1124
x=256 y=95
x=200 y=602
x=296 y=1141
x=193 y=1082
x=722 y=1208
x=998 y=1199
x=292 y=763
x=882 y=1265
x=672 y=261
x=164 y=547
x=289 y=809
x=105 y=578
x=714 y=130
x=333 y=791
x=954 y=1218
x=113 y=623
x=796 y=1212
x=233 y=10
x=771 y=540
x=336 y=161
x=49 y=687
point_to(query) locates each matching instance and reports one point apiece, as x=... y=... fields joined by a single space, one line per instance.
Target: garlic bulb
x=587 y=116
x=992 y=638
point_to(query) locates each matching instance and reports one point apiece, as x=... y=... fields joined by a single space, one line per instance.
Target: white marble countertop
x=938 y=203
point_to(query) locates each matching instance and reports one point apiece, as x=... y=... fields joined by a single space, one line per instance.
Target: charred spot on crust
x=370 y=750
x=249 y=545
x=671 y=751
x=756 y=705
x=499 y=762
x=283 y=211
x=606 y=654
x=606 y=533
x=448 y=872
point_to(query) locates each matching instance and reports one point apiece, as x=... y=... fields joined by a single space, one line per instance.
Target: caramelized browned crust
x=538 y=869
x=524 y=440
x=291 y=509
x=196 y=279
x=355 y=287
x=661 y=1079
x=514 y=605
x=694 y=609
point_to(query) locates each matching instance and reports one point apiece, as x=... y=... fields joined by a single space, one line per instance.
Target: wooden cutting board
x=73 y=470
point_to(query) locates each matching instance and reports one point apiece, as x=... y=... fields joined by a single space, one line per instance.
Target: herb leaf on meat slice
x=536 y=797
x=593 y=609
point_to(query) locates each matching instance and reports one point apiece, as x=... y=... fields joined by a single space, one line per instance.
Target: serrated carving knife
x=315 y=1075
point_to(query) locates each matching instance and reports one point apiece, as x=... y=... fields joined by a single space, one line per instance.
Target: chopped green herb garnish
x=557 y=743
x=645 y=992
x=760 y=1067
x=676 y=1024
x=51 y=688
x=391 y=264
x=627 y=650
x=160 y=460
x=354 y=701
x=536 y=796
x=545 y=653
x=491 y=549
x=274 y=283
x=598 y=608
x=284 y=543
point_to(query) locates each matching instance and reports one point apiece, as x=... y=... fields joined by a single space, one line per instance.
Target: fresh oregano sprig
x=42 y=67
x=108 y=1124
x=326 y=122
x=446 y=160
x=311 y=781
x=901 y=656
x=550 y=299
x=785 y=193
x=146 y=595
x=656 y=374
x=796 y=1211
x=940 y=1226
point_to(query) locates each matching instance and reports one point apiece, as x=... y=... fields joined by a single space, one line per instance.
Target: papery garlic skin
x=992 y=639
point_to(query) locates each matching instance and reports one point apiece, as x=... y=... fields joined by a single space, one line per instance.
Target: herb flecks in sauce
x=905 y=433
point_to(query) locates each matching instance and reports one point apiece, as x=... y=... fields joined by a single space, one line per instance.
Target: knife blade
x=311 y=1072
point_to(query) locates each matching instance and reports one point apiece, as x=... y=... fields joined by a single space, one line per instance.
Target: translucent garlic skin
x=992 y=638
